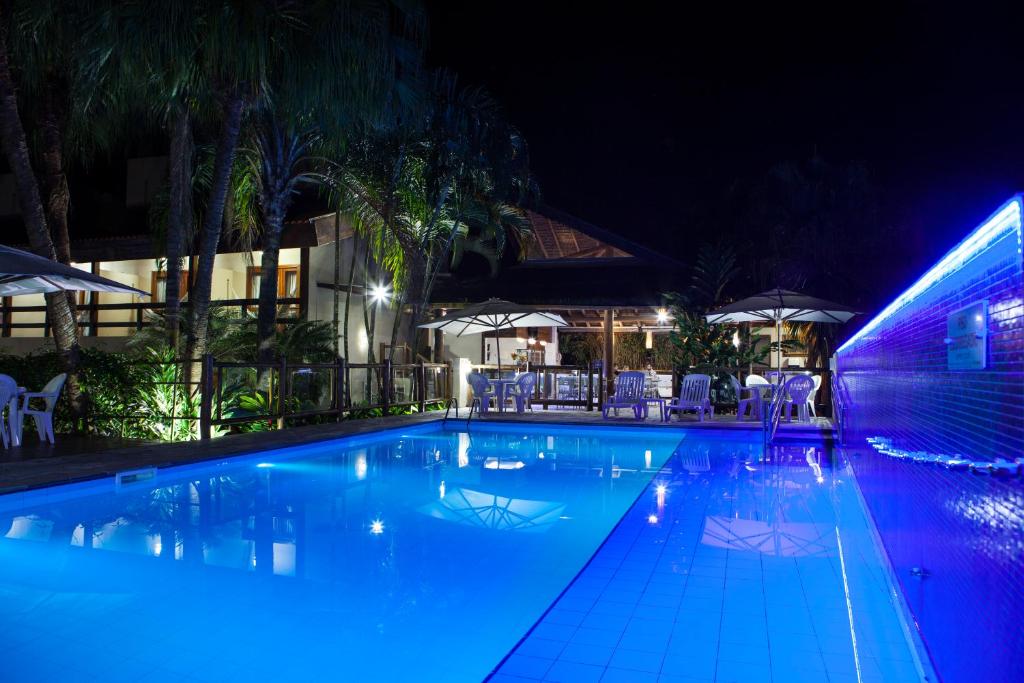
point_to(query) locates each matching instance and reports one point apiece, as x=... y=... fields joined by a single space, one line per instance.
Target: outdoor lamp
x=531 y=341
x=380 y=293
x=662 y=316
x=736 y=339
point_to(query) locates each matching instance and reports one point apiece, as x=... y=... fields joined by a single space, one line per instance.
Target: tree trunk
x=179 y=218
x=348 y=291
x=15 y=147
x=202 y=288
x=54 y=179
x=266 y=316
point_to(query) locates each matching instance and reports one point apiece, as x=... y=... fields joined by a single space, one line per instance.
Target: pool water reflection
x=364 y=559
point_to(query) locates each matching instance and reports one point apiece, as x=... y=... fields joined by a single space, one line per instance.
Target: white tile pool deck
x=746 y=571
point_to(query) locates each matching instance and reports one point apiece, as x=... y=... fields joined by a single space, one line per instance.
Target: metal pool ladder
x=474 y=404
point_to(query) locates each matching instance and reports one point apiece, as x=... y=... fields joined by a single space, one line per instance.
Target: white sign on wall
x=967 y=337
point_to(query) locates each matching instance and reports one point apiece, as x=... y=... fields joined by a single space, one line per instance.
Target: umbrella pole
x=778 y=348
x=497 y=342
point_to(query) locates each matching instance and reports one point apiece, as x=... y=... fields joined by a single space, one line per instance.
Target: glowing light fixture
x=376 y=527
x=662 y=316
x=531 y=341
x=380 y=293
x=1007 y=219
x=652 y=519
x=661 y=489
x=265 y=465
x=736 y=339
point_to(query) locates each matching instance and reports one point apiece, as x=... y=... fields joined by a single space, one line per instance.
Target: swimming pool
x=431 y=555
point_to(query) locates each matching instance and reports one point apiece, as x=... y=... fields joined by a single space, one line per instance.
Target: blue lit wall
x=966 y=530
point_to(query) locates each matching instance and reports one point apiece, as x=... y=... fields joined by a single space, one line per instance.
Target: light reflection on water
x=373 y=559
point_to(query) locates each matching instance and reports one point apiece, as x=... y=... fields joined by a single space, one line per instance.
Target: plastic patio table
x=501 y=390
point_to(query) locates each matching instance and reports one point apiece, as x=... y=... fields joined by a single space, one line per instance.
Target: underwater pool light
x=376 y=527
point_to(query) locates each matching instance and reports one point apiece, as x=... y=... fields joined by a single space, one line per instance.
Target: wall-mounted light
x=736 y=339
x=662 y=316
x=531 y=341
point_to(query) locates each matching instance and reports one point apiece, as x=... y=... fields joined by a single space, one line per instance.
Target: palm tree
x=15 y=146
x=281 y=162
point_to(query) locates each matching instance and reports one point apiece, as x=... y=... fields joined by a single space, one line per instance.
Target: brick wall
x=966 y=530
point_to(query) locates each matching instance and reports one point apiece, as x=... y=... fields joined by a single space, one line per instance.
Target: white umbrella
x=493 y=315
x=22 y=273
x=779 y=306
x=491 y=511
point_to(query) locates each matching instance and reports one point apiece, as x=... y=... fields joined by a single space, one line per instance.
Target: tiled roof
x=553 y=239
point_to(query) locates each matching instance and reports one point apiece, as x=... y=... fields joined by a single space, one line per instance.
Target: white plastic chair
x=8 y=398
x=813 y=396
x=483 y=390
x=752 y=400
x=797 y=391
x=695 y=395
x=43 y=417
x=522 y=392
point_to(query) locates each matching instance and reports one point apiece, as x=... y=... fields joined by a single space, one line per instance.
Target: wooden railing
x=88 y=315
x=244 y=393
x=562 y=385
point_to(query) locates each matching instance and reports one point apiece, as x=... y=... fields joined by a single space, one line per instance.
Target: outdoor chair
x=43 y=417
x=751 y=399
x=629 y=393
x=811 y=397
x=695 y=395
x=8 y=398
x=797 y=391
x=483 y=390
x=522 y=392
x=775 y=377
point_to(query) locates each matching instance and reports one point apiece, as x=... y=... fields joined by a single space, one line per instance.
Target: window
x=158 y=287
x=287 y=286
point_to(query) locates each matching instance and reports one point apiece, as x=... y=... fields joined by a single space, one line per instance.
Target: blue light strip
x=1006 y=219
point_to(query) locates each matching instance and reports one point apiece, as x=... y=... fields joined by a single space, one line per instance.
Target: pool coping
x=27 y=475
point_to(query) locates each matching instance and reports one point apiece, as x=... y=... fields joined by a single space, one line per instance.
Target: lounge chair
x=43 y=417
x=483 y=390
x=695 y=395
x=797 y=391
x=522 y=392
x=629 y=393
x=746 y=397
x=8 y=398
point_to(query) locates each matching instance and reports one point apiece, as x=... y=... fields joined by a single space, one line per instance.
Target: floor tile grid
x=601 y=627
x=557 y=625
x=803 y=648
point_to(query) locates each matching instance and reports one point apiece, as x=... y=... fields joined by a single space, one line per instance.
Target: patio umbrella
x=491 y=511
x=779 y=306
x=22 y=272
x=493 y=315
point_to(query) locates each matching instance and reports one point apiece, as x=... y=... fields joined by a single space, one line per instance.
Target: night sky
x=638 y=114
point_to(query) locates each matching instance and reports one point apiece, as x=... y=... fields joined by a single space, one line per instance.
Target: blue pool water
x=537 y=552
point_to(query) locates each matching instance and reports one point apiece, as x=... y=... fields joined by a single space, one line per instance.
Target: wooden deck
x=78 y=458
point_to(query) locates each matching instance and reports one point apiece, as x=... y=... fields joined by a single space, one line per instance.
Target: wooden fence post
x=339 y=385
x=386 y=385
x=421 y=380
x=205 y=396
x=282 y=391
x=589 y=373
